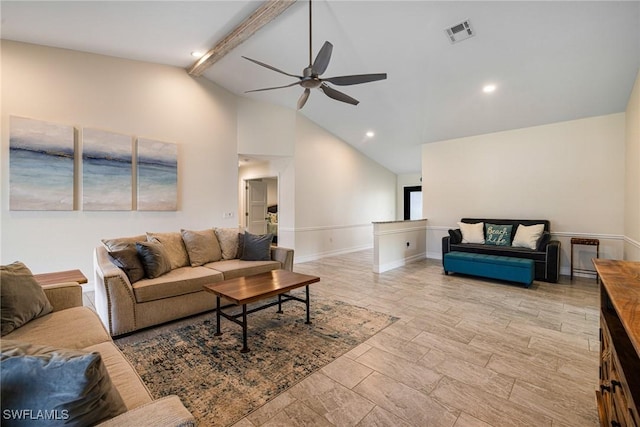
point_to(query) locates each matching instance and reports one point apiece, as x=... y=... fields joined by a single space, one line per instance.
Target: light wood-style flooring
x=465 y=352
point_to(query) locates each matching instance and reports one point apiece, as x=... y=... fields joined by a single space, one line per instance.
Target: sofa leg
x=446 y=273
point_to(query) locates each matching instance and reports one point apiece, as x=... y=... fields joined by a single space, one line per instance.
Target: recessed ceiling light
x=197 y=54
x=489 y=88
x=370 y=134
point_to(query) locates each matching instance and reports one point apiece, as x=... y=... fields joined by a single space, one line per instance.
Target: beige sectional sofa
x=125 y=304
x=71 y=326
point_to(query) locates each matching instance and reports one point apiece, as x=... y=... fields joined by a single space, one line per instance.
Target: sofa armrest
x=167 y=411
x=446 y=248
x=552 y=264
x=114 y=298
x=64 y=295
x=284 y=255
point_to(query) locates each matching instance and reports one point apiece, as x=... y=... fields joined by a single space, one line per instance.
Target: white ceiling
x=551 y=61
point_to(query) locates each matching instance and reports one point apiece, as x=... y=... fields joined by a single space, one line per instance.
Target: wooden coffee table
x=246 y=290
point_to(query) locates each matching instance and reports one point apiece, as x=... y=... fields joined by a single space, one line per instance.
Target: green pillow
x=22 y=299
x=498 y=235
x=55 y=387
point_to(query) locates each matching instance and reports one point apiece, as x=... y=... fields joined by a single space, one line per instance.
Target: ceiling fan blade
x=271 y=88
x=303 y=98
x=322 y=60
x=271 y=68
x=356 y=79
x=337 y=95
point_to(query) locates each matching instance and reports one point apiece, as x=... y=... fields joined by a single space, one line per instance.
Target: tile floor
x=465 y=352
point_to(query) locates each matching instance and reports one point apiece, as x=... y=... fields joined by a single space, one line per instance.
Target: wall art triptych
x=42 y=172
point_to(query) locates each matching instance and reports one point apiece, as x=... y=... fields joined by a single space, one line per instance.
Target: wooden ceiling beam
x=266 y=13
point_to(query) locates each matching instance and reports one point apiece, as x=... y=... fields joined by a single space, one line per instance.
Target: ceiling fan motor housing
x=309 y=79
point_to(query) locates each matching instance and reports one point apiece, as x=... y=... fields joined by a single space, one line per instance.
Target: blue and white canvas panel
x=40 y=165
x=157 y=175
x=106 y=171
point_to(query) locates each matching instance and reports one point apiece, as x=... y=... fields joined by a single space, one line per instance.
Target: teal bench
x=512 y=269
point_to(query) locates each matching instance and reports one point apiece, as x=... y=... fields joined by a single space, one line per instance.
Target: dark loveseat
x=546 y=256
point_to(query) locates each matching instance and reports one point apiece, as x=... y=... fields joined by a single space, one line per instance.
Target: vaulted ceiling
x=550 y=61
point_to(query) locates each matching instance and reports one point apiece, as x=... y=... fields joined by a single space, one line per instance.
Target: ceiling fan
x=310 y=78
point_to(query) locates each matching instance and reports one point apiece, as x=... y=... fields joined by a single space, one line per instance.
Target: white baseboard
x=314 y=257
x=397 y=263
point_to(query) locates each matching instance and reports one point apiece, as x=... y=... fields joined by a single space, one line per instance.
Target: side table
x=60 y=277
x=586 y=242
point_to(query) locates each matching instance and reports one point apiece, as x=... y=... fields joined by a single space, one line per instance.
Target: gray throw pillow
x=128 y=260
x=154 y=259
x=22 y=299
x=256 y=248
x=202 y=246
x=55 y=387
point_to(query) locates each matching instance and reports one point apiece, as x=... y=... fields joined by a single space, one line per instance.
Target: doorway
x=413 y=202
x=261 y=206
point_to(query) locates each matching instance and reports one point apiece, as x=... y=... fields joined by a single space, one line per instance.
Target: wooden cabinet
x=619 y=393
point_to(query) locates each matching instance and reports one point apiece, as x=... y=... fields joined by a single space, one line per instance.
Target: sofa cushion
x=128 y=260
x=202 y=246
x=42 y=378
x=123 y=242
x=174 y=245
x=455 y=235
x=228 y=238
x=233 y=268
x=498 y=235
x=472 y=233
x=154 y=258
x=21 y=297
x=74 y=328
x=499 y=250
x=527 y=236
x=123 y=376
x=180 y=281
x=256 y=247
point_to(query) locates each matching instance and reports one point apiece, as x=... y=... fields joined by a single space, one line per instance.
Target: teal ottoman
x=492 y=266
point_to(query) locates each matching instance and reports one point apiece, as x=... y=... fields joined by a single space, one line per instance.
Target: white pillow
x=527 y=236
x=472 y=233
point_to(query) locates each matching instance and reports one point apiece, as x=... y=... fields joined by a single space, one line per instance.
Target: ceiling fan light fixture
x=370 y=134
x=197 y=54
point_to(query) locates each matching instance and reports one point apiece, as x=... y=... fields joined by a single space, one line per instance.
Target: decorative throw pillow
x=240 y=245
x=122 y=242
x=174 y=245
x=72 y=385
x=472 y=233
x=228 y=239
x=202 y=246
x=498 y=235
x=22 y=299
x=129 y=261
x=455 y=235
x=154 y=258
x=256 y=248
x=527 y=236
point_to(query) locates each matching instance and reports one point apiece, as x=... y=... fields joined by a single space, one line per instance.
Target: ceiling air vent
x=459 y=32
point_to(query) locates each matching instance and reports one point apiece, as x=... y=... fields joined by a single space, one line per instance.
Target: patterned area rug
x=218 y=384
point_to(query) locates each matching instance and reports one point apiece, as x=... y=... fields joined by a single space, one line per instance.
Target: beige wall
x=338 y=192
x=323 y=209
x=129 y=97
x=632 y=176
x=571 y=173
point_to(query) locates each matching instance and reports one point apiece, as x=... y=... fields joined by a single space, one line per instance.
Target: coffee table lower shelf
x=245 y=290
